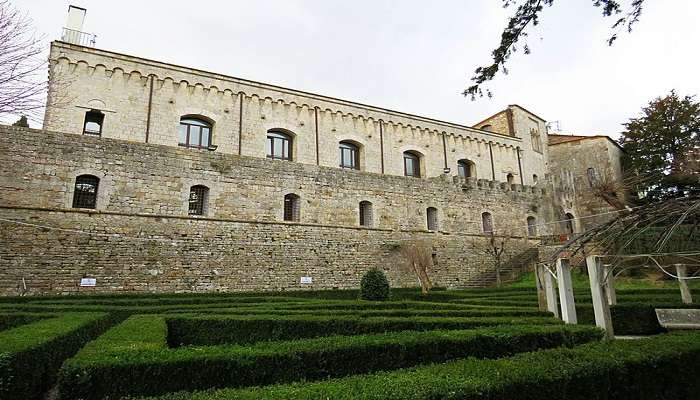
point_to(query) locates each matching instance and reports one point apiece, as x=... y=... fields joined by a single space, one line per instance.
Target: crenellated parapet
x=143 y=100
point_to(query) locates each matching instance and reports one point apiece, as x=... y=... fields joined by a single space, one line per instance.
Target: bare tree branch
x=527 y=13
x=23 y=80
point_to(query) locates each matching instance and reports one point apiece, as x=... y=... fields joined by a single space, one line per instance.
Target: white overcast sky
x=412 y=56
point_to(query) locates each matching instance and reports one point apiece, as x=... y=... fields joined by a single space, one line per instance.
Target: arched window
x=466 y=169
x=291 y=207
x=569 y=226
x=195 y=133
x=199 y=197
x=85 y=191
x=279 y=145
x=487 y=222
x=531 y=226
x=366 y=214
x=432 y=218
x=510 y=178
x=349 y=155
x=411 y=164
x=487 y=127
x=534 y=178
x=93 y=123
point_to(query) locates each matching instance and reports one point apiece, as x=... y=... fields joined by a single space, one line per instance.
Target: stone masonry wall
x=140 y=238
x=124 y=88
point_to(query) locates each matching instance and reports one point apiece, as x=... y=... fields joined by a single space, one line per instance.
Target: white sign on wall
x=307 y=279
x=88 y=282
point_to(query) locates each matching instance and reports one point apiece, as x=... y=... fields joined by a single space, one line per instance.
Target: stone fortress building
x=149 y=176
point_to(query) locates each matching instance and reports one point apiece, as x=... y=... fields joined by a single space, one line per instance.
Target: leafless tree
x=496 y=248
x=22 y=67
x=418 y=258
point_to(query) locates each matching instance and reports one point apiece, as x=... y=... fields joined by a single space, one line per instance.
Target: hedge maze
x=485 y=343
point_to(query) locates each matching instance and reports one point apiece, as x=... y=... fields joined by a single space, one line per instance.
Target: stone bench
x=679 y=318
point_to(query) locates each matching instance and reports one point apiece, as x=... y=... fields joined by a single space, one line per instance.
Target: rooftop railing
x=78 y=37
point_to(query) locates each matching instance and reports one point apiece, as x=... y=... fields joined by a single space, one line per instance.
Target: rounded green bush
x=374 y=286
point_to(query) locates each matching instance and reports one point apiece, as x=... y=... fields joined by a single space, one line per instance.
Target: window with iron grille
x=349 y=156
x=366 y=214
x=291 y=207
x=85 y=191
x=411 y=164
x=531 y=226
x=279 y=146
x=199 y=195
x=487 y=222
x=93 y=123
x=194 y=133
x=432 y=216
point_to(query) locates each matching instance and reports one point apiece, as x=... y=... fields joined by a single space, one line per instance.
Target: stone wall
x=141 y=238
x=569 y=163
x=129 y=89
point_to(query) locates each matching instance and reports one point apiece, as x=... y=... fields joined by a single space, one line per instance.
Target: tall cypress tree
x=662 y=148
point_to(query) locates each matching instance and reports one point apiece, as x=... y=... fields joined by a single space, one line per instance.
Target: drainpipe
x=240 y=123
x=316 y=123
x=444 y=152
x=493 y=168
x=150 y=104
x=381 y=143
x=520 y=167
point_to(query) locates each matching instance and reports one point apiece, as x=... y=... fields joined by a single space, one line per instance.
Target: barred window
x=432 y=217
x=85 y=191
x=199 y=195
x=487 y=222
x=592 y=175
x=93 y=123
x=366 y=214
x=531 y=226
x=291 y=207
x=195 y=133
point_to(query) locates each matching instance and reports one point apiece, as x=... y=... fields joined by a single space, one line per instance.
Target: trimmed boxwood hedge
x=30 y=355
x=8 y=321
x=216 y=330
x=662 y=367
x=133 y=359
x=631 y=318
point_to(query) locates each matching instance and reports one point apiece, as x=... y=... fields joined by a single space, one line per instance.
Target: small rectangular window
x=93 y=123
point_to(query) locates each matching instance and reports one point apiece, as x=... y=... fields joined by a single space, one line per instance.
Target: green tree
x=662 y=148
x=527 y=12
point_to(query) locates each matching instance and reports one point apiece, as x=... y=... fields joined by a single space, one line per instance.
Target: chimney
x=73 y=31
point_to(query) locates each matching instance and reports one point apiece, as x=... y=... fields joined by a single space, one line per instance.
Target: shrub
x=631 y=318
x=132 y=358
x=30 y=355
x=648 y=369
x=217 y=330
x=374 y=286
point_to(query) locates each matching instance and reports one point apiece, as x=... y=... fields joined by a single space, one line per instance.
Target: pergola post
x=601 y=308
x=681 y=273
x=566 y=291
x=610 y=284
x=539 y=282
x=550 y=291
